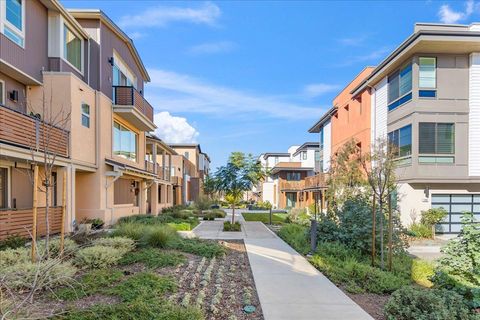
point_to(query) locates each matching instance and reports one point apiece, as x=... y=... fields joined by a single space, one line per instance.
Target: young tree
x=238 y=176
x=379 y=166
x=209 y=186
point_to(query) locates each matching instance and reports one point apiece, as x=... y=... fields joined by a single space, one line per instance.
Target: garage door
x=456 y=205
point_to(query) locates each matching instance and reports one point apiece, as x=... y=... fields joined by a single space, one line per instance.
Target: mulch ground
x=372 y=303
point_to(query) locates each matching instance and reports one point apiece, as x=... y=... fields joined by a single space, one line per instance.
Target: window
x=124 y=142
x=400 y=87
x=187 y=155
x=72 y=48
x=304 y=155
x=85 y=115
x=436 y=139
x=13 y=26
x=322 y=135
x=293 y=176
x=2 y=92
x=3 y=188
x=427 y=73
x=401 y=141
x=275 y=160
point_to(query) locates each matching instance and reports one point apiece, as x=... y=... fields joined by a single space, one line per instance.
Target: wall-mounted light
x=111 y=60
x=426 y=191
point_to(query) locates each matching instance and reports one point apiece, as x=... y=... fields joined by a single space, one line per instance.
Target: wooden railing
x=292 y=185
x=129 y=96
x=29 y=132
x=316 y=181
x=19 y=222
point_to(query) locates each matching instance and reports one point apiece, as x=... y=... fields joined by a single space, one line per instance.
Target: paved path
x=288 y=286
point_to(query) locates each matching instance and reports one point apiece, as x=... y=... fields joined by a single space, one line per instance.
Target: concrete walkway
x=288 y=286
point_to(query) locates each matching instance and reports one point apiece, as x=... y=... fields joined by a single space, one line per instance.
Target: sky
x=254 y=76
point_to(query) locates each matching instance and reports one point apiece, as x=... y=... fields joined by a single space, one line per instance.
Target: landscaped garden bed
x=277 y=218
x=143 y=270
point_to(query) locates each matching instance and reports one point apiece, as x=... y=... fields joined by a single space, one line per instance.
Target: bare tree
x=379 y=166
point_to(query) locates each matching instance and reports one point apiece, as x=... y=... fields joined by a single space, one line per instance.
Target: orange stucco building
x=352 y=118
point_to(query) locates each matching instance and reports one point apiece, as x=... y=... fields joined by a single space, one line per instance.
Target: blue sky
x=254 y=76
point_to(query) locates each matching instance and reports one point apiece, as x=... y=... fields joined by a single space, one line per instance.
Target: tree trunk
x=233 y=213
x=390 y=233
x=47 y=207
x=382 y=256
x=374 y=232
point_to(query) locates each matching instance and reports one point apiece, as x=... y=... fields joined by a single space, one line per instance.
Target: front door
x=291 y=199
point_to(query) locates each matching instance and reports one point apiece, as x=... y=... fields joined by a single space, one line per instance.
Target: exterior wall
x=474 y=116
x=352 y=118
x=192 y=152
x=326 y=152
x=379 y=110
x=10 y=85
x=34 y=57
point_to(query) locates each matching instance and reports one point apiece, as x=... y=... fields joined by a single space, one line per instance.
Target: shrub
x=422 y=271
x=228 y=226
x=97 y=223
x=138 y=218
x=98 y=257
x=299 y=216
x=132 y=230
x=181 y=226
x=433 y=216
x=210 y=216
x=203 y=203
x=327 y=230
x=204 y=248
x=143 y=285
x=122 y=243
x=219 y=213
x=10 y=257
x=159 y=236
x=13 y=242
x=69 y=246
x=420 y=230
x=92 y=282
x=410 y=303
x=296 y=236
x=48 y=274
x=153 y=258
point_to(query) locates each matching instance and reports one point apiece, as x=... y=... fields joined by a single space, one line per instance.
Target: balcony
x=176 y=180
x=318 y=181
x=286 y=185
x=132 y=106
x=20 y=222
x=30 y=133
x=162 y=172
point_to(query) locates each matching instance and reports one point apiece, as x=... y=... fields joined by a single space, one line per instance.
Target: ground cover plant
x=277 y=218
x=228 y=226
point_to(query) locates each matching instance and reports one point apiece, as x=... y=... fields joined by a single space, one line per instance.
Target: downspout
x=116 y=175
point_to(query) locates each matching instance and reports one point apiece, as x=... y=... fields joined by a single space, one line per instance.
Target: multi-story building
x=424 y=98
x=71 y=87
x=285 y=186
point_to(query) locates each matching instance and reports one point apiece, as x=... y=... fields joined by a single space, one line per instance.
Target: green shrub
x=422 y=271
x=98 y=257
x=13 y=242
x=299 y=216
x=204 y=248
x=69 y=246
x=277 y=218
x=210 y=216
x=410 y=303
x=433 y=216
x=219 y=213
x=48 y=274
x=420 y=230
x=143 y=285
x=97 y=223
x=159 y=236
x=153 y=258
x=137 y=310
x=203 y=203
x=181 y=226
x=228 y=226
x=138 y=218
x=327 y=230
x=122 y=243
x=14 y=256
x=95 y=281
x=132 y=230
x=296 y=236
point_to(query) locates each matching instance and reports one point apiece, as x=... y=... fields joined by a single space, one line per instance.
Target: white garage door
x=456 y=205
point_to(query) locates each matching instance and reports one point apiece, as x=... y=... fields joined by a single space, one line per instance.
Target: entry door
x=3 y=188
x=291 y=199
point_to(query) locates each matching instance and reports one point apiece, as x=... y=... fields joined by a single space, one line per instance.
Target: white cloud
x=373 y=56
x=136 y=35
x=208 y=13
x=318 y=89
x=212 y=47
x=172 y=129
x=181 y=93
x=448 y=15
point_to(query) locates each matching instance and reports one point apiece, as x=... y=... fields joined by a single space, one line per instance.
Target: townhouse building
x=71 y=88
x=423 y=98
x=287 y=184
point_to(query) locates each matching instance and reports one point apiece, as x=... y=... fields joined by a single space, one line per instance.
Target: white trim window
x=124 y=142
x=72 y=48
x=12 y=20
x=2 y=92
x=85 y=115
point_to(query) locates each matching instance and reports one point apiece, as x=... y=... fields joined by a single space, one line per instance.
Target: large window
x=85 y=115
x=400 y=87
x=401 y=141
x=427 y=77
x=293 y=176
x=13 y=22
x=436 y=142
x=455 y=205
x=72 y=48
x=124 y=142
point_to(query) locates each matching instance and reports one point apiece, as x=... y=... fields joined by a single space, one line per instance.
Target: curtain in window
x=427 y=72
x=73 y=49
x=445 y=138
x=436 y=138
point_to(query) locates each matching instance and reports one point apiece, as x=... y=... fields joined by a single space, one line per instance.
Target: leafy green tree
x=238 y=176
x=209 y=186
x=433 y=216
